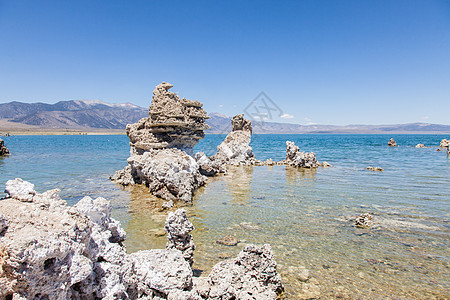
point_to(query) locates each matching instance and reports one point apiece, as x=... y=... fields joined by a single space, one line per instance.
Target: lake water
x=306 y=215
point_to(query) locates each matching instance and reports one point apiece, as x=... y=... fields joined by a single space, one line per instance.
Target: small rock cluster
x=3 y=149
x=49 y=250
x=420 y=146
x=378 y=169
x=364 y=221
x=296 y=158
x=444 y=143
x=392 y=143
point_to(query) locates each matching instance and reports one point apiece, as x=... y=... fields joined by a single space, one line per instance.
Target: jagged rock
x=325 y=164
x=375 y=169
x=123 y=176
x=208 y=166
x=235 y=149
x=49 y=250
x=420 y=146
x=296 y=158
x=20 y=190
x=172 y=123
x=228 y=240
x=169 y=173
x=251 y=275
x=160 y=146
x=364 y=221
x=178 y=229
x=392 y=143
x=270 y=162
x=444 y=143
x=3 y=149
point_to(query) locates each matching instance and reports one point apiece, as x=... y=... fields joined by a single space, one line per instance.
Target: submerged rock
x=228 y=240
x=296 y=158
x=160 y=147
x=420 y=146
x=364 y=221
x=49 y=250
x=3 y=149
x=392 y=143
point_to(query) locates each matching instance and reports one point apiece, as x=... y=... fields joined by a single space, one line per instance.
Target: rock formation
x=235 y=149
x=178 y=229
x=3 y=149
x=420 y=146
x=374 y=169
x=444 y=143
x=49 y=250
x=161 y=144
x=296 y=158
x=392 y=143
x=364 y=221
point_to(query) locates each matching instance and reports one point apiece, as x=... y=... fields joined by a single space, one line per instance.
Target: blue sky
x=325 y=62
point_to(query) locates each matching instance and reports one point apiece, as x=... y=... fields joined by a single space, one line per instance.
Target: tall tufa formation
x=172 y=123
x=161 y=144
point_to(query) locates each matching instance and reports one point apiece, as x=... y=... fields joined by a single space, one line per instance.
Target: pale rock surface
x=178 y=229
x=51 y=251
x=364 y=221
x=444 y=143
x=235 y=149
x=169 y=173
x=208 y=166
x=420 y=146
x=392 y=143
x=160 y=146
x=20 y=190
x=378 y=169
x=251 y=275
x=296 y=158
x=3 y=149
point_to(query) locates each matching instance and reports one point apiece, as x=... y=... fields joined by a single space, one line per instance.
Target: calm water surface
x=306 y=215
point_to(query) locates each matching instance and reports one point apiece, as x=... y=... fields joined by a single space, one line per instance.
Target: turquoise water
x=306 y=215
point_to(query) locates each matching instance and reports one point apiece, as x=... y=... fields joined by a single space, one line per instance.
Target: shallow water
x=306 y=215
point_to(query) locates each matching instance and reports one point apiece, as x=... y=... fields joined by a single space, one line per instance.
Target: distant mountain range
x=87 y=114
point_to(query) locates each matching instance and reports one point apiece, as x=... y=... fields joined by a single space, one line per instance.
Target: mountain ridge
x=97 y=114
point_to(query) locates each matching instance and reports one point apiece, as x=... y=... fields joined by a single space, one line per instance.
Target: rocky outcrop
x=444 y=143
x=3 y=149
x=178 y=229
x=251 y=275
x=160 y=147
x=364 y=221
x=49 y=250
x=370 y=168
x=235 y=149
x=296 y=158
x=392 y=143
x=420 y=146
x=209 y=166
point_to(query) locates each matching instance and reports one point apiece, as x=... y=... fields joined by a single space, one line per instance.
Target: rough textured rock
x=392 y=143
x=3 y=149
x=374 y=169
x=444 y=143
x=364 y=221
x=172 y=123
x=51 y=251
x=178 y=229
x=228 y=240
x=251 y=275
x=420 y=146
x=235 y=149
x=296 y=158
x=160 y=147
x=208 y=166
x=169 y=173
x=326 y=164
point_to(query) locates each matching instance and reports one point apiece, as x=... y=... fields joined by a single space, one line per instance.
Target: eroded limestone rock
x=49 y=250
x=160 y=147
x=392 y=143
x=296 y=158
x=3 y=149
x=178 y=229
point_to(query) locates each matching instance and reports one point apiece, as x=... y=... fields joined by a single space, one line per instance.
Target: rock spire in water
x=3 y=149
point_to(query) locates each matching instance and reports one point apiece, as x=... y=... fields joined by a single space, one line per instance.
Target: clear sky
x=325 y=62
